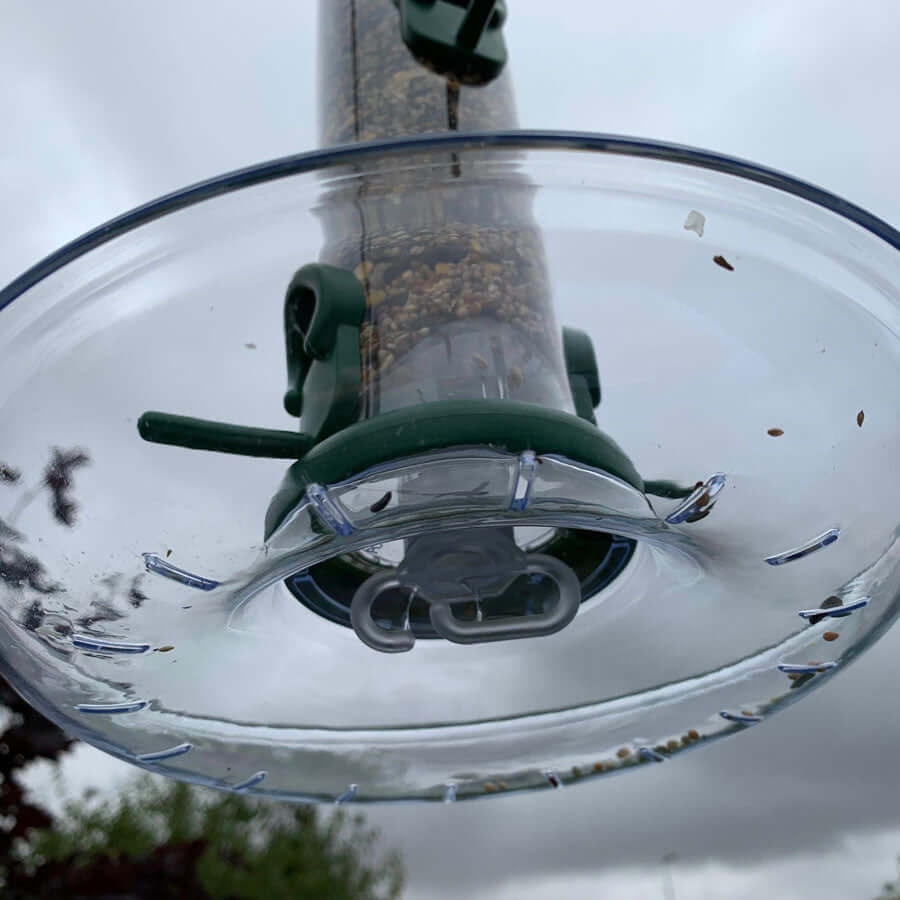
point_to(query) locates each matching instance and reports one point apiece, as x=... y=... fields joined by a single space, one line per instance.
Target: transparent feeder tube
x=458 y=304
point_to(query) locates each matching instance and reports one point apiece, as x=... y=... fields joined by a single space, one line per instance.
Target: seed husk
x=721 y=261
x=381 y=503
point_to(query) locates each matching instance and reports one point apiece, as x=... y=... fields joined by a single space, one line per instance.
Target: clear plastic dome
x=192 y=611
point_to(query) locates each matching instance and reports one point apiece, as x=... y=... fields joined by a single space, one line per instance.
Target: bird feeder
x=309 y=488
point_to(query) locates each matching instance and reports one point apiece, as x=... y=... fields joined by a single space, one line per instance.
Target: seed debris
x=695 y=222
x=721 y=261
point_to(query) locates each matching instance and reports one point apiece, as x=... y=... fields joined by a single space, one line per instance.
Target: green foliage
x=891 y=889
x=252 y=849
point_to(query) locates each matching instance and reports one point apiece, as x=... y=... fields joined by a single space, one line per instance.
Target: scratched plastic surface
x=141 y=609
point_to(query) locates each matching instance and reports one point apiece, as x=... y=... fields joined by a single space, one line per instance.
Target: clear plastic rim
x=322 y=160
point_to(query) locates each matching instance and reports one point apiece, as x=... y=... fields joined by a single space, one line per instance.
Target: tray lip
x=324 y=159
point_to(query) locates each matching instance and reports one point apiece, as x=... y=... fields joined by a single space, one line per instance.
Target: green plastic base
x=501 y=424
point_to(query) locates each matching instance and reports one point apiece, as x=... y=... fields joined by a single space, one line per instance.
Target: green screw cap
x=452 y=37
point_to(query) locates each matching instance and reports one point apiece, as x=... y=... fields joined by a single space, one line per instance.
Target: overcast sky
x=105 y=106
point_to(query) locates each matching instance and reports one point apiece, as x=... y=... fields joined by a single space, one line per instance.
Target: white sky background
x=104 y=106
